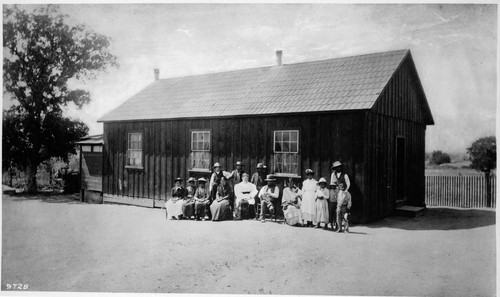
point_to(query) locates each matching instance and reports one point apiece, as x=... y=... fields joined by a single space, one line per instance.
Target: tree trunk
x=31 y=186
x=488 y=188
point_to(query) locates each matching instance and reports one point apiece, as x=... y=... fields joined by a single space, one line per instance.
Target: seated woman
x=174 y=204
x=244 y=192
x=292 y=197
x=188 y=207
x=201 y=200
x=221 y=207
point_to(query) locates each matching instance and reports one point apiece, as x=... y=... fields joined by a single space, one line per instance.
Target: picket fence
x=458 y=191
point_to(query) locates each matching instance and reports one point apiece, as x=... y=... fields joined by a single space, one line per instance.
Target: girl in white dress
x=308 y=207
x=322 y=195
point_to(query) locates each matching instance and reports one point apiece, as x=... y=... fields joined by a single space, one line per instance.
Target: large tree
x=41 y=54
x=483 y=154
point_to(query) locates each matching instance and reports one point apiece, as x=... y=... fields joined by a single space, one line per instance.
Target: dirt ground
x=58 y=244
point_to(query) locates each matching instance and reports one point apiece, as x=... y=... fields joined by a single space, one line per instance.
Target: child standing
x=343 y=206
x=322 y=195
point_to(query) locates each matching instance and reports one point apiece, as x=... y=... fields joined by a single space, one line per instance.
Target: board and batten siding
x=397 y=113
x=323 y=138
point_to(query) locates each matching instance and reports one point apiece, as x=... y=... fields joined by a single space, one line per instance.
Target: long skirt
x=221 y=210
x=241 y=209
x=188 y=209
x=174 y=209
x=308 y=206
x=293 y=215
x=321 y=211
x=201 y=208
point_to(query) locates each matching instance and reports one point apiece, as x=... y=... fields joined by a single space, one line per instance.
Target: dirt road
x=57 y=244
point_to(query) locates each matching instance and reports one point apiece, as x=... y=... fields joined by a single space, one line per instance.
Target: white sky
x=454 y=48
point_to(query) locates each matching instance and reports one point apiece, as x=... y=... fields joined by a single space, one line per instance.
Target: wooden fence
x=458 y=191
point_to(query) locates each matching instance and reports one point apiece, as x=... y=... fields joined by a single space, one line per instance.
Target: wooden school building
x=369 y=111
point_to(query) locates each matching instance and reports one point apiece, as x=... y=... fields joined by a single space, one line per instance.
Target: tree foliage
x=483 y=154
x=438 y=158
x=41 y=54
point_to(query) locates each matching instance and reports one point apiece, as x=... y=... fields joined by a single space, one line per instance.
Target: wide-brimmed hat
x=238 y=163
x=309 y=171
x=337 y=164
x=261 y=166
x=322 y=180
x=270 y=177
x=191 y=179
x=202 y=180
x=178 y=179
x=217 y=164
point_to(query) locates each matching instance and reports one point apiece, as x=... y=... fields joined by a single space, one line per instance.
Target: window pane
x=206 y=146
x=277 y=147
x=293 y=147
x=286 y=136
x=294 y=135
x=286 y=147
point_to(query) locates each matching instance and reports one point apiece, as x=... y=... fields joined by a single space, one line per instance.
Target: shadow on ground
x=49 y=198
x=440 y=218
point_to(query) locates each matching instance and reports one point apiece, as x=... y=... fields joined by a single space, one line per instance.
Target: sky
x=454 y=47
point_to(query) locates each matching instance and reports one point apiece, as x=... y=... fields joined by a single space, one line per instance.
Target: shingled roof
x=350 y=83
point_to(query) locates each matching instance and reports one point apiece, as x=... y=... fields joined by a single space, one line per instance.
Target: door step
x=400 y=203
x=409 y=211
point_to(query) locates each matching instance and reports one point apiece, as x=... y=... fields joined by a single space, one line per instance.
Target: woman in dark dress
x=221 y=207
x=202 y=200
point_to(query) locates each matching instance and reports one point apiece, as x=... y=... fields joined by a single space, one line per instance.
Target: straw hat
x=191 y=179
x=216 y=164
x=202 y=180
x=269 y=178
x=322 y=181
x=178 y=179
x=309 y=171
x=336 y=164
x=238 y=163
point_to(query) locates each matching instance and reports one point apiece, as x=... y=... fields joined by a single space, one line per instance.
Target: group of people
x=234 y=195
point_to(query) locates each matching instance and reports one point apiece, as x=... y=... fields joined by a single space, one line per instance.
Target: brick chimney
x=279 y=55
x=157 y=74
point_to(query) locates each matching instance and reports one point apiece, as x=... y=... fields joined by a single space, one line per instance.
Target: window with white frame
x=134 y=149
x=286 y=151
x=200 y=150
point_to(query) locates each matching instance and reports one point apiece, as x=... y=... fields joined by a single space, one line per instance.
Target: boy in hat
x=201 y=200
x=259 y=180
x=344 y=204
x=175 y=203
x=337 y=177
x=236 y=175
x=268 y=195
x=188 y=207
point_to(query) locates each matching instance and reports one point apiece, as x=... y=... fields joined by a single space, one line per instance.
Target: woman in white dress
x=175 y=203
x=291 y=204
x=308 y=207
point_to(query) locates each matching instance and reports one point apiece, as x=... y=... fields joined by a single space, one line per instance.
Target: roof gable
x=350 y=83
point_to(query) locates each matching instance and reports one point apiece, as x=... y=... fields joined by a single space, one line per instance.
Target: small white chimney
x=157 y=74
x=279 y=55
